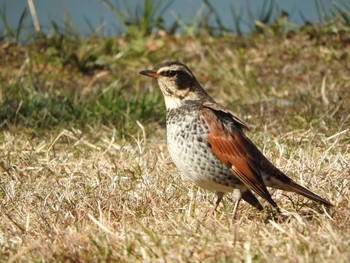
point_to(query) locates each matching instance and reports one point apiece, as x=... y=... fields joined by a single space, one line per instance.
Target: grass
x=84 y=170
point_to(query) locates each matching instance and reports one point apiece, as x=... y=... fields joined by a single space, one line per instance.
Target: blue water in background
x=100 y=16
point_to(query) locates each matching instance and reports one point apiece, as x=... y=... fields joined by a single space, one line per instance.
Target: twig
x=34 y=16
x=323 y=92
x=100 y=225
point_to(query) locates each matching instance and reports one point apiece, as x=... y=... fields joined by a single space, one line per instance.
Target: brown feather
x=279 y=179
x=216 y=107
x=229 y=146
x=283 y=182
x=232 y=147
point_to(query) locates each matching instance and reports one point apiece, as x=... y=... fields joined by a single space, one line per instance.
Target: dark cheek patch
x=182 y=83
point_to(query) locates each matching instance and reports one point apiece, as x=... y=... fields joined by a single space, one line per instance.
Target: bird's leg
x=219 y=196
x=238 y=196
x=274 y=213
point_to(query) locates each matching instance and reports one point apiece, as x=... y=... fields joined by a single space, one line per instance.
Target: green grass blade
x=20 y=24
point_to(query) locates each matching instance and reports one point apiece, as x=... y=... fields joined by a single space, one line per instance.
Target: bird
x=208 y=144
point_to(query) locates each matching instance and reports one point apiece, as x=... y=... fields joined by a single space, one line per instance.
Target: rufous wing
x=229 y=144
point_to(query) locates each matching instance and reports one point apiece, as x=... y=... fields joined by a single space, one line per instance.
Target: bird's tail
x=294 y=187
x=280 y=181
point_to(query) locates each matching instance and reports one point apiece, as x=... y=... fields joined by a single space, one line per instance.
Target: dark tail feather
x=250 y=198
x=294 y=187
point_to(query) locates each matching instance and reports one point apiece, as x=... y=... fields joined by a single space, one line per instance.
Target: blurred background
x=108 y=17
x=75 y=63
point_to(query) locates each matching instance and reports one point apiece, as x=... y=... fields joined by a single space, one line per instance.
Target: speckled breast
x=187 y=143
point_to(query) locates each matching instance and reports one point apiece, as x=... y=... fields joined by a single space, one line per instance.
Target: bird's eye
x=169 y=73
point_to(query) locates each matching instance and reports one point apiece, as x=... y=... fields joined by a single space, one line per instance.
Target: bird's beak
x=149 y=73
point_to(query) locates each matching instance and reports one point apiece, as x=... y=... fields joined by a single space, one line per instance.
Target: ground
x=85 y=174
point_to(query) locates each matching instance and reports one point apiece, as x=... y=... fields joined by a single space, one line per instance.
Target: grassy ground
x=85 y=174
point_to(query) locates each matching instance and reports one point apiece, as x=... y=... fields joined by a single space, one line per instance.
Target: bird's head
x=177 y=83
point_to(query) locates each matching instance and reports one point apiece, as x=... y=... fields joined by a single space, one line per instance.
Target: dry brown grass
x=70 y=195
x=67 y=198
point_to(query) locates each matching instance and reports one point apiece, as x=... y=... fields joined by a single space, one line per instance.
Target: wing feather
x=230 y=145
